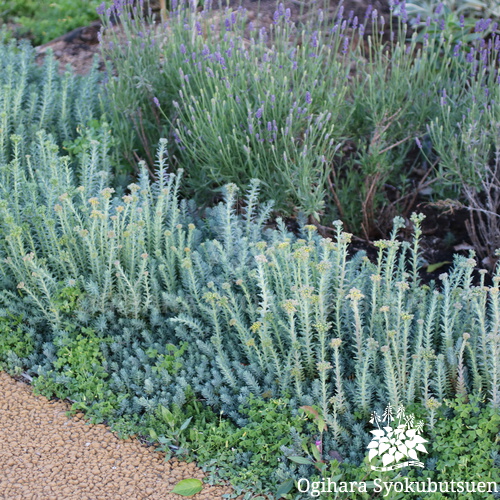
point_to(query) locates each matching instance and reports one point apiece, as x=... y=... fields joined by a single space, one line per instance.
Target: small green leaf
x=433 y=267
x=188 y=487
x=185 y=424
x=285 y=488
x=316 y=453
x=301 y=460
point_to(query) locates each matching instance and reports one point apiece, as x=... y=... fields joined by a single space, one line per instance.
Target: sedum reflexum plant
x=262 y=312
x=37 y=97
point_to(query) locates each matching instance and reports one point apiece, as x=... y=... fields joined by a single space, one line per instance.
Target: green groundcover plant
x=44 y=20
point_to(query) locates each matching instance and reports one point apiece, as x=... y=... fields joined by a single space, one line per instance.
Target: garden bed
x=168 y=260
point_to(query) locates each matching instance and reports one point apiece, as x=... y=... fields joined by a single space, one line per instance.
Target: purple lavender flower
x=258 y=114
x=117 y=6
x=288 y=15
x=392 y=4
x=443 y=97
x=482 y=25
x=419 y=144
x=156 y=101
x=101 y=9
x=470 y=56
x=269 y=126
x=404 y=13
x=457 y=48
x=428 y=22
x=263 y=35
x=308 y=98
x=439 y=8
x=276 y=17
x=462 y=21
x=484 y=57
x=198 y=28
x=294 y=65
x=314 y=39
x=355 y=23
x=182 y=48
x=341 y=13
x=368 y=11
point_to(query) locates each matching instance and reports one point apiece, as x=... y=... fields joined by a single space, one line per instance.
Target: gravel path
x=45 y=455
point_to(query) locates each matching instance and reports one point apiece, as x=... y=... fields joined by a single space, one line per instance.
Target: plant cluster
x=36 y=98
x=316 y=112
x=44 y=20
x=108 y=286
x=244 y=346
x=459 y=19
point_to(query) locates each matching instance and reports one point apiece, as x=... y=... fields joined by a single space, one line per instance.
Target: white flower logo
x=397 y=441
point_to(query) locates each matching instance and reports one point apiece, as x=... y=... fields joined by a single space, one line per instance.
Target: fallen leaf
x=188 y=487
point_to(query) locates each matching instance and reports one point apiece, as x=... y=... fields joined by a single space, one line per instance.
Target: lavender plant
x=232 y=128
x=329 y=108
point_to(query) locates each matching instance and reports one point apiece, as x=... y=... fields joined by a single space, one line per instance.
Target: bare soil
x=46 y=455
